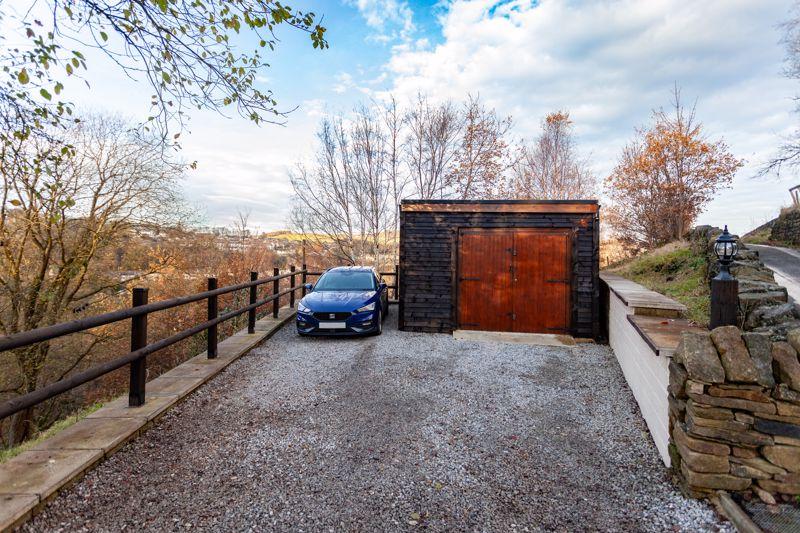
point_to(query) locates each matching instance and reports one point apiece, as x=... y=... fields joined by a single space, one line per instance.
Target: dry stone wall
x=787 y=227
x=763 y=304
x=734 y=421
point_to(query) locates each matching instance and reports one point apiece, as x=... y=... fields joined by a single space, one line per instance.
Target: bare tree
x=788 y=154
x=347 y=201
x=433 y=138
x=323 y=210
x=550 y=168
x=373 y=193
x=483 y=153
x=343 y=199
x=59 y=221
x=393 y=126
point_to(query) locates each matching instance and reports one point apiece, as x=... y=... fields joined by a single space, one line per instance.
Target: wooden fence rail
x=138 y=314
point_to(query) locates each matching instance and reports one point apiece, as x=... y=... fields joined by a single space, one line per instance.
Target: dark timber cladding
x=502 y=265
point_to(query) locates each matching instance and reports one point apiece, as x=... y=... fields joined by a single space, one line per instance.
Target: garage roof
x=502 y=206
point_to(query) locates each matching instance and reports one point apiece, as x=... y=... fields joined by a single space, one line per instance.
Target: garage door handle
x=469 y=279
x=557 y=281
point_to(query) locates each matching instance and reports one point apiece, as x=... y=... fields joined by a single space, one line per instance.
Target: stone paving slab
x=152 y=408
x=41 y=473
x=643 y=300
x=15 y=508
x=105 y=434
x=534 y=339
x=197 y=369
x=171 y=386
x=29 y=479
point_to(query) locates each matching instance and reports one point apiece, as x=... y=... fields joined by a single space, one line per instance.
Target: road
x=785 y=262
x=401 y=432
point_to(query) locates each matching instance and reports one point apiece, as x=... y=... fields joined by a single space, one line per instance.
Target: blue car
x=344 y=301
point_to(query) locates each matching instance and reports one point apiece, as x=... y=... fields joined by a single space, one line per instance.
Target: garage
x=518 y=265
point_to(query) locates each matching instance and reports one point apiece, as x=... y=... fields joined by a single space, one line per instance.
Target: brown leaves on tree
x=665 y=177
x=483 y=154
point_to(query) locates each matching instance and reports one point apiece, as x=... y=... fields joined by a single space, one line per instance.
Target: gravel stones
x=393 y=433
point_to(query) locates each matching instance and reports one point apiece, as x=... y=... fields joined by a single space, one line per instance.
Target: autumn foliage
x=665 y=177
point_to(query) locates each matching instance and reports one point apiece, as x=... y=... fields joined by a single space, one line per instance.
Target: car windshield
x=346 y=280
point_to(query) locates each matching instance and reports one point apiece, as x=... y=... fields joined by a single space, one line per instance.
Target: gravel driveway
x=399 y=432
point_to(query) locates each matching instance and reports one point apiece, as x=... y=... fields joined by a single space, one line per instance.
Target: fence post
x=211 y=348
x=396 y=281
x=304 y=278
x=136 y=392
x=251 y=314
x=291 y=286
x=276 y=303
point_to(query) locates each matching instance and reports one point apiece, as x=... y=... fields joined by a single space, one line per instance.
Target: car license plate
x=332 y=325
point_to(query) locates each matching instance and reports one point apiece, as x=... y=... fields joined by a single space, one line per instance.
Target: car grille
x=331 y=316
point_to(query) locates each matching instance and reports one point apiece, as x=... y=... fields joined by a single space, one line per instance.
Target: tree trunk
x=22 y=427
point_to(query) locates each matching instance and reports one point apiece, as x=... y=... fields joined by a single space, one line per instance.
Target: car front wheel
x=379 y=329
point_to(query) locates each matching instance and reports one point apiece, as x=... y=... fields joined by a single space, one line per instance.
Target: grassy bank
x=673 y=270
x=8 y=453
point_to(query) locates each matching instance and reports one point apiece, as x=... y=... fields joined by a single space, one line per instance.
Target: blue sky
x=608 y=62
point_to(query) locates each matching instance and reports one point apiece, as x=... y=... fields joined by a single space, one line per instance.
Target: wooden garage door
x=484 y=295
x=514 y=280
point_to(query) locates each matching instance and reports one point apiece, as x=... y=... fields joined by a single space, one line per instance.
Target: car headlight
x=303 y=309
x=368 y=307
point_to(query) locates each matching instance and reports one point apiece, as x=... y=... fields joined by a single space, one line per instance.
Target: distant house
x=795 y=192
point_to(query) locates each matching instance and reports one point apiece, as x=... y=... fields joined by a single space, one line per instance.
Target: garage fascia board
x=501 y=206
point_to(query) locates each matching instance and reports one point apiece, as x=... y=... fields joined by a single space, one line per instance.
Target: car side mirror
x=309 y=286
x=383 y=286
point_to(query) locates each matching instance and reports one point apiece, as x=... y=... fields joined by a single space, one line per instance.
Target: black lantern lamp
x=724 y=287
x=725 y=247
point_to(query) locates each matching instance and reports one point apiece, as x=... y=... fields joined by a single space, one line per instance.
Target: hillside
x=784 y=230
x=673 y=270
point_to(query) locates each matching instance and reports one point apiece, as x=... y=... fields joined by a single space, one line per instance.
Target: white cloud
x=610 y=63
x=344 y=81
x=241 y=166
x=390 y=20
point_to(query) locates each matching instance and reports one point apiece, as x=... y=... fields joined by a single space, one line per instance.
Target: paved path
x=399 y=432
x=785 y=262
